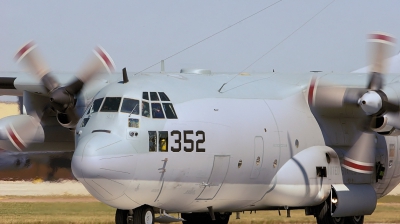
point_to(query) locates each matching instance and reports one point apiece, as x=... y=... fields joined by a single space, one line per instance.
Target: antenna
x=162 y=66
x=124 y=76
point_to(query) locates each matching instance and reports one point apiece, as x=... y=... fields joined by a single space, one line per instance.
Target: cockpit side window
x=163 y=96
x=145 y=109
x=95 y=106
x=163 y=141
x=130 y=106
x=152 y=141
x=169 y=111
x=154 y=96
x=111 y=104
x=157 y=111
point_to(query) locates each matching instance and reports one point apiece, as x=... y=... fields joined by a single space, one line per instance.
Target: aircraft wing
x=393 y=65
x=14 y=83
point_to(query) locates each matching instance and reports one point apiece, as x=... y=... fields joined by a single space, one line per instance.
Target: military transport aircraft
x=194 y=144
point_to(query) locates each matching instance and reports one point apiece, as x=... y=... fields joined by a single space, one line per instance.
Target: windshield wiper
x=132 y=110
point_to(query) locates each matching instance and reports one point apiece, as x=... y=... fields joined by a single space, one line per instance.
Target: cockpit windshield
x=95 y=106
x=130 y=106
x=111 y=104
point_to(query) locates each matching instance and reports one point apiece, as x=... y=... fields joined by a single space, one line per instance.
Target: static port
x=240 y=163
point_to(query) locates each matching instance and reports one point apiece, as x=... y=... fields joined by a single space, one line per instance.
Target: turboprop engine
x=375 y=108
x=62 y=99
x=22 y=130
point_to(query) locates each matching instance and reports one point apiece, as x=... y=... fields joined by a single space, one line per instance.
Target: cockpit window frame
x=102 y=109
x=163 y=97
x=130 y=111
x=154 y=96
x=145 y=96
x=171 y=112
x=148 y=109
x=161 y=111
x=91 y=110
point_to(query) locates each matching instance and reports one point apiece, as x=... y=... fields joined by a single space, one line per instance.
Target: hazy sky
x=140 y=33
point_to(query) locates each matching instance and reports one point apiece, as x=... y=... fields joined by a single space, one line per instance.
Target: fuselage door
x=217 y=177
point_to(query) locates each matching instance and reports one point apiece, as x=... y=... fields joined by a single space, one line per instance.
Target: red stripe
x=105 y=58
x=311 y=91
x=15 y=139
x=357 y=166
x=382 y=37
x=24 y=49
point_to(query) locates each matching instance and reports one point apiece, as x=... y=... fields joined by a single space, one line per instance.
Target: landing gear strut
x=202 y=218
x=141 y=215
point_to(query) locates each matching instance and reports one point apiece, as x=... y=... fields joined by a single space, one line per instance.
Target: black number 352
x=187 y=139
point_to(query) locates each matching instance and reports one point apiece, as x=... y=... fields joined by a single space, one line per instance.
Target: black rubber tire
x=331 y=220
x=137 y=215
x=323 y=215
x=196 y=218
x=355 y=220
x=147 y=215
x=140 y=215
x=222 y=218
x=121 y=216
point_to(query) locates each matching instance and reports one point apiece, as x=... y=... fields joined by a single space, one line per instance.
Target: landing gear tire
x=121 y=216
x=323 y=216
x=143 y=215
x=355 y=219
x=204 y=217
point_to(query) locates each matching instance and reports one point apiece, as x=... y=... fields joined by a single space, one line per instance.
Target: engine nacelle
x=388 y=125
x=17 y=132
x=352 y=200
x=65 y=121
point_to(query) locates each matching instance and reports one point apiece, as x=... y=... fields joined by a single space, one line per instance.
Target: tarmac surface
x=27 y=188
x=71 y=188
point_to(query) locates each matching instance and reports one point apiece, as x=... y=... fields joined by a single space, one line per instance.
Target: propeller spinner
x=62 y=98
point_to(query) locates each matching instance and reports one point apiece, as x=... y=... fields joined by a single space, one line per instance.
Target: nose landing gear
x=141 y=215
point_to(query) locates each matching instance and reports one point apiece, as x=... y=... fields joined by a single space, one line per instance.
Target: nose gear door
x=217 y=177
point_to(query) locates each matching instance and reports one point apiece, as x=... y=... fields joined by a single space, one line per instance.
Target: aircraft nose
x=105 y=164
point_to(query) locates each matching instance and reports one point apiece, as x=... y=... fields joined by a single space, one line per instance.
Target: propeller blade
x=29 y=55
x=381 y=46
x=361 y=156
x=390 y=107
x=34 y=62
x=100 y=62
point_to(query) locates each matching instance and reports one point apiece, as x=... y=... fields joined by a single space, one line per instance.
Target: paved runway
x=26 y=188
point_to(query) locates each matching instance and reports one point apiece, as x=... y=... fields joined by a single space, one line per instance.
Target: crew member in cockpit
x=145 y=109
x=157 y=112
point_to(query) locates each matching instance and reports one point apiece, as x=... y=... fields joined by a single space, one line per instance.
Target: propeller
x=361 y=156
x=62 y=98
x=372 y=100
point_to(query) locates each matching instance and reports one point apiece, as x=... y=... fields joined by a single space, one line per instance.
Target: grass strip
x=85 y=210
